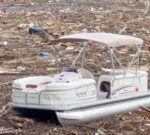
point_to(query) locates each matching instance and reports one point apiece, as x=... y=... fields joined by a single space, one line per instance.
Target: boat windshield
x=69 y=69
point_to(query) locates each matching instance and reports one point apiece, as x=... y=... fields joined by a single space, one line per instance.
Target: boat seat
x=85 y=73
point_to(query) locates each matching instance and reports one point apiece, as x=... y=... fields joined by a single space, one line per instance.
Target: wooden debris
x=8 y=131
x=20 y=49
x=145 y=109
x=5 y=110
x=8 y=71
x=21 y=120
x=122 y=30
x=5 y=96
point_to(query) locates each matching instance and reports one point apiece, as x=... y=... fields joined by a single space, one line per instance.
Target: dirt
x=19 y=51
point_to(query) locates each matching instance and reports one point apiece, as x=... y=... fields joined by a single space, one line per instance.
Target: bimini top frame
x=107 y=39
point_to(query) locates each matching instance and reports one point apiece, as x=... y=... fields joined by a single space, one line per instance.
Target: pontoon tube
x=102 y=110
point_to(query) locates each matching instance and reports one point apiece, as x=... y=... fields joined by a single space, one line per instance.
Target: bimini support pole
x=135 y=59
x=112 y=60
x=84 y=47
x=73 y=63
x=82 y=52
x=138 y=59
x=120 y=64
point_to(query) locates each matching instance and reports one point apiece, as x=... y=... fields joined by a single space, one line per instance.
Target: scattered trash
x=35 y=29
x=92 y=9
x=147 y=4
x=51 y=69
x=142 y=129
x=8 y=71
x=122 y=30
x=4 y=43
x=54 y=129
x=51 y=1
x=100 y=132
x=43 y=54
x=130 y=113
x=5 y=109
x=85 y=30
x=22 y=26
x=147 y=124
x=21 y=68
x=70 y=48
x=111 y=16
x=4 y=131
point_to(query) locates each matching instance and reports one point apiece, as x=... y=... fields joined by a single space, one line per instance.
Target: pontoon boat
x=75 y=95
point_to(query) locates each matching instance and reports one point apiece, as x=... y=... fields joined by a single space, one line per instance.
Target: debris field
x=23 y=54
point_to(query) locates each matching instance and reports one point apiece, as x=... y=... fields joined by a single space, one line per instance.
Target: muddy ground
x=19 y=55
